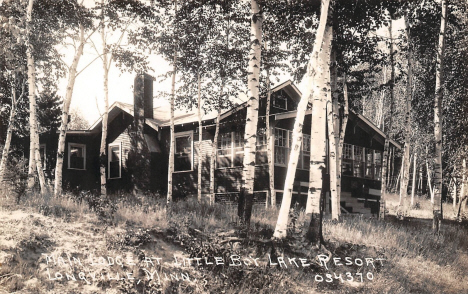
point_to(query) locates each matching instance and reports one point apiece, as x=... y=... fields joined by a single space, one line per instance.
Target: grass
x=422 y=207
x=416 y=261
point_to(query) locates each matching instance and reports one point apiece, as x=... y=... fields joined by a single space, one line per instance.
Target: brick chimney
x=143 y=98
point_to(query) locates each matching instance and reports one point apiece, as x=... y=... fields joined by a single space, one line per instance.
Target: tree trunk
x=65 y=110
x=172 y=143
x=380 y=109
x=11 y=123
x=35 y=158
x=214 y=147
x=102 y=149
x=437 y=205
x=334 y=141
x=250 y=135
x=454 y=193
x=383 y=191
x=200 y=140
x=339 y=153
x=429 y=184
x=332 y=168
x=413 y=186
x=407 y=134
x=282 y=223
x=318 y=150
x=271 y=165
x=462 y=197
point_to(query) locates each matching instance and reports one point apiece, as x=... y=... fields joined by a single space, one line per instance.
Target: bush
x=16 y=175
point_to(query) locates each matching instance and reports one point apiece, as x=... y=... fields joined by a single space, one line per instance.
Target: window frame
x=119 y=144
x=232 y=148
x=281 y=97
x=184 y=134
x=70 y=145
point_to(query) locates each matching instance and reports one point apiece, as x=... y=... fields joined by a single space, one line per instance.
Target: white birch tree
x=282 y=222
x=250 y=135
x=437 y=204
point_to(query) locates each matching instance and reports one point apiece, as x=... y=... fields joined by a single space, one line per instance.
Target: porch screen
x=361 y=162
x=183 y=152
x=283 y=141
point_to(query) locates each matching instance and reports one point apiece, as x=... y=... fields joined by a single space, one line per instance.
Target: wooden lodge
x=138 y=148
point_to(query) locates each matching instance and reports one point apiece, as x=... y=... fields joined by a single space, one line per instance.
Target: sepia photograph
x=234 y=146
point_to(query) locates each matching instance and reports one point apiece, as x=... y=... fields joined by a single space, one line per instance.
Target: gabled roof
x=162 y=117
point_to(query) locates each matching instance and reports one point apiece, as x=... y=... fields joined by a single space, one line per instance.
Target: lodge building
x=138 y=148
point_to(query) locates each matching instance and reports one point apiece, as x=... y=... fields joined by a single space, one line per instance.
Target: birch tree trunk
x=65 y=110
x=200 y=140
x=214 y=148
x=6 y=147
x=339 y=153
x=102 y=149
x=383 y=190
x=413 y=186
x=11 y=123
x=332 y=168
x=172 y=142
x=250 y=135
x=429 y=184
x=35 y=158
x=271 y=165
x=454 y=194
x=462 y=196
x=318 y=135
x=333 y=150
x=437 y=205
x=282 y=223
x=407 y=134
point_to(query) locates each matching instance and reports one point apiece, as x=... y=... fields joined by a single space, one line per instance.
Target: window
x=183 y=155
x=224 y=150
x=76 y=156
x=115 y=161
x=230 y=149
x=281 y=146
x=358 y=161
x=42 y=152
x=280 y=101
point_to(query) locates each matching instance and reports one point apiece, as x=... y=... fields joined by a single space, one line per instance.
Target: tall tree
x=34 y=155
x=282 y=223
x=250 y=134
x=407 y=135
x=437 y=205
x=385 y=161
x=172 y=102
